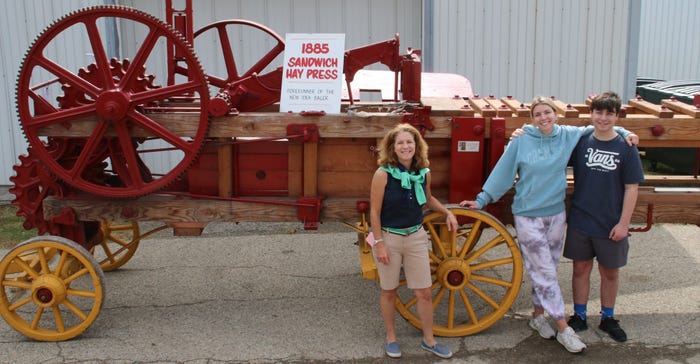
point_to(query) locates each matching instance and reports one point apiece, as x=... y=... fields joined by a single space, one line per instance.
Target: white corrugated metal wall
x=20 y=23
x=566 y=48
x=670 y=46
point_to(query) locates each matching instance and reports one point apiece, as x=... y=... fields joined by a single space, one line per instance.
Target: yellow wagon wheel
x=50 y=297
x=118 y=245
x=476 y=274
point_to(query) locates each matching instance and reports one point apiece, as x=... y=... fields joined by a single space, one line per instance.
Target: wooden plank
x=667 y=213
x=443 y=106
x=564 y=109
x=482 y=107
x=502 y=110
x=345 y=184
x=295 y=163
x=518 y=108
x=660 y=111
x=374 y=125
x=682 y=107
x=174 y=209
x=671 y=181
x=678 y=132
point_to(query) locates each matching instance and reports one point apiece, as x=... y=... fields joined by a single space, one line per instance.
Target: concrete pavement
x=278 y=294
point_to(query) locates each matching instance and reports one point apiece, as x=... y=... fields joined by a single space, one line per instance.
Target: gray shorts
x=609 y=253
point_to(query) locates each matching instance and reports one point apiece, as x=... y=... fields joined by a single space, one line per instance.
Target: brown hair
x=608 y=100
x=387 y=156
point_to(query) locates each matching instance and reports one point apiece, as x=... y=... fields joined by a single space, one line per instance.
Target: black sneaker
x=612 y=327
x=577 y=323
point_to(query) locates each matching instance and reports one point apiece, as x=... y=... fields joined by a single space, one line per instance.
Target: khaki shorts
x=410 y=251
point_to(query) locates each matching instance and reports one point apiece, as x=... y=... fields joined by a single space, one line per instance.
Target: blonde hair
x=387 y=156
x=541 y=100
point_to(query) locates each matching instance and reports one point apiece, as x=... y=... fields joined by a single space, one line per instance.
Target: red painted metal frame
x=467 y=158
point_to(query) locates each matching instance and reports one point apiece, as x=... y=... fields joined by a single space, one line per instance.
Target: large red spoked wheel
x=111 y=109
x=226 y=34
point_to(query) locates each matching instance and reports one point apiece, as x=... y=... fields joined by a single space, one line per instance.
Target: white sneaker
x=570 y=340
x=540 y=324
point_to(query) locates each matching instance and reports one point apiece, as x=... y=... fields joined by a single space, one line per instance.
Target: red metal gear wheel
x=33 y=182
x=73 y=97
x=115 y=115
x=221 y=31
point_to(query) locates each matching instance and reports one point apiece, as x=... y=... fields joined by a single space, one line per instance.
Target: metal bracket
x=309 y=132
x=420 y=119
x=309 y=211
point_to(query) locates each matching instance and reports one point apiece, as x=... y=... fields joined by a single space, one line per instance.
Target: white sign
x=313 y=72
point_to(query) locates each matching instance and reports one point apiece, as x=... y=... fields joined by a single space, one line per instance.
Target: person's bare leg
x=388 y=307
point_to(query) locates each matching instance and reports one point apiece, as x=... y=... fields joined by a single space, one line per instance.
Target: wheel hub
x=48 y=291
x=112 y=105
x=453 y=273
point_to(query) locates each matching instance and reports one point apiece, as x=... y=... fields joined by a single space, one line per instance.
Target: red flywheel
x=110 y=104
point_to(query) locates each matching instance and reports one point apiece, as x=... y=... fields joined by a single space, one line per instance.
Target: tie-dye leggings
x=540 y=240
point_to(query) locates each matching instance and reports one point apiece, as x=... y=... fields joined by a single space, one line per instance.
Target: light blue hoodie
x=539 y=161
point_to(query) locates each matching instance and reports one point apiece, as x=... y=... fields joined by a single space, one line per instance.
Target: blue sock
x=580 y=310
x=607 y=312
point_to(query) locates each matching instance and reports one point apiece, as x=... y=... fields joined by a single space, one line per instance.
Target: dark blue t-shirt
x=601 y=171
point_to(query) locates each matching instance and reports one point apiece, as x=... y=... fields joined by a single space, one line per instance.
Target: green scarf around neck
x=406 y=179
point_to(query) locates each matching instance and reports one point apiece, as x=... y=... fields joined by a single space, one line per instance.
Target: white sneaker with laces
x=540 y=324
x=570 y=340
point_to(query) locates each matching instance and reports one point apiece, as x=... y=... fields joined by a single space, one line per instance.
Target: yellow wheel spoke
x=108 y=252
x=438 y=297
x=468 y=307
x=488 y=246
x=451 y=311
x=81 y=293
x=435 y=238
x=61 y=262
x=17 y=284
x=73 y=308
x=118 y=240
x=471 y=240
x=20 y=303
x=434 y=258
x=37 y=318
x=121 y=227
x=59 y=319
x=498 y=282
x=76 y=275
x=42 y=260
x=411 y=302
x=483 y=295
x=492 y=263
x=23 y=265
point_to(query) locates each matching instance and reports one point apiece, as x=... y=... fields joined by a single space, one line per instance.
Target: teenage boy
x=607 y=173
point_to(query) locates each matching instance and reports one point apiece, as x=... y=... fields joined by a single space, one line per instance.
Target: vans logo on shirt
x=603 y=159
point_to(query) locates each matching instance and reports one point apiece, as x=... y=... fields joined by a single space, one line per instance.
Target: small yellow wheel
x=50 y=297
x=118 y=245
x=476 y=274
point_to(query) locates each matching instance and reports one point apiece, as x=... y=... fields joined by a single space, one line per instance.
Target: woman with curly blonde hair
x=400 y=188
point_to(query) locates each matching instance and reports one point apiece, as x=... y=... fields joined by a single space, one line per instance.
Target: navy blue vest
x=400 y=209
